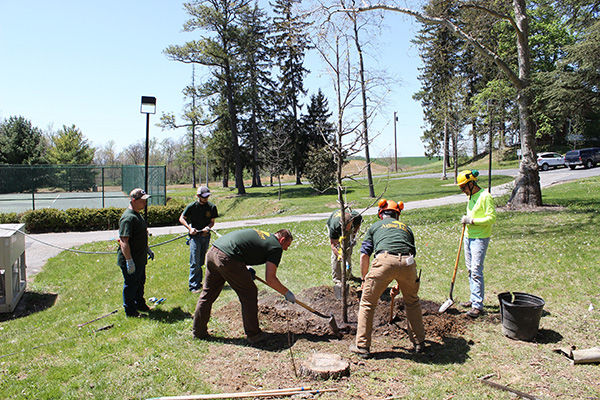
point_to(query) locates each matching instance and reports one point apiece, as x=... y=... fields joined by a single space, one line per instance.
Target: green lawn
x=552 y=254
x=303 y=199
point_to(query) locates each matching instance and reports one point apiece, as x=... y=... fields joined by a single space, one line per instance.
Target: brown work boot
x=361 y=352
x=256 y=339
x=466 y=304
x=474 y=312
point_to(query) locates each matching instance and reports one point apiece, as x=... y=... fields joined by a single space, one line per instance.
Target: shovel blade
x=447 y=304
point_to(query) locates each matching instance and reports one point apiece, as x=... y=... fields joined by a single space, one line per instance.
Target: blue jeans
x=475 y=250
x=133 y=288
x=198 y=247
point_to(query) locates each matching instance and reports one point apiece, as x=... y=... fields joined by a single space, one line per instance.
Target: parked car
x=549 y=159
x=587 y=157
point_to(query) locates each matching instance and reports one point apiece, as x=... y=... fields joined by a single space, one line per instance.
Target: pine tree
x=291 y=43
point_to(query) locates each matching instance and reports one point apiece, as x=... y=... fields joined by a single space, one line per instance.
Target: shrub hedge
x=89 y=219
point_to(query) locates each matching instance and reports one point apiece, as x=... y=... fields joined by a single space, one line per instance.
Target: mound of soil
x=279 y=316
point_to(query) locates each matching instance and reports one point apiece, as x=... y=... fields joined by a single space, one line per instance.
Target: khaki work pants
x=221 y=268
x=336 y=267
x=384 y=269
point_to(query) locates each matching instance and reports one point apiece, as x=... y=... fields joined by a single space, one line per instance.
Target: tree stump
x=325 y=366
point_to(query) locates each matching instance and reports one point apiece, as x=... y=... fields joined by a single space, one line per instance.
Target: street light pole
x=148 y=107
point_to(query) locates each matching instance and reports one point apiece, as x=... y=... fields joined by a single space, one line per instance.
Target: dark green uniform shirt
x=199 y=215
x=391 y=235
x=251 y=246
x=133 y=226
x=333 y=223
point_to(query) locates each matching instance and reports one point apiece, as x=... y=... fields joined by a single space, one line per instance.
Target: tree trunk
x=235 y=147
x=474 y=136
x=445 y=161
x=527 y=190
x=365 y=124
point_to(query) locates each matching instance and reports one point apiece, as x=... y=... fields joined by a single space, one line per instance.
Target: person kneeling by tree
x=393 y=243
x=227 y=261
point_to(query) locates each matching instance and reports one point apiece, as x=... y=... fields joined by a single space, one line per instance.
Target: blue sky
x=88 y=63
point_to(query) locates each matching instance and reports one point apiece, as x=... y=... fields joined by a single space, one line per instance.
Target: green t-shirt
x=251 y=246
x=133 y=226
x=481 y=208
x=391 y=235
x=333 y=223
x=199 y=215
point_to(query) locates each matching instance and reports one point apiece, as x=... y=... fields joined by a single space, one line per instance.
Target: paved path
x=37 y=253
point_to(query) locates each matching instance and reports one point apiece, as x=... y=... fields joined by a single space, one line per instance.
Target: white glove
x=289 y=296
x=466 y=220
x=130 y=266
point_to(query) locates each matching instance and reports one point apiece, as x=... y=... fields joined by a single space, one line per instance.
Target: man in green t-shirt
x=334 y=227
x=393 y=244
x=132 y=252
x=227 y=261
x=480 y=216
x=198 y=217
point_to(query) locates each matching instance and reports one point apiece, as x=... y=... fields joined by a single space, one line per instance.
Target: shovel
x=331 y=319
x=448 y=303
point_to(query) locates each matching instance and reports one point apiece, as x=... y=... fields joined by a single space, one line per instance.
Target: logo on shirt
x=263 y=235
x=395 y=225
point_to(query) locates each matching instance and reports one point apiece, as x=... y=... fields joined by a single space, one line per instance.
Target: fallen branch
x=485 y=380
x=239 y=395
x=96 y=319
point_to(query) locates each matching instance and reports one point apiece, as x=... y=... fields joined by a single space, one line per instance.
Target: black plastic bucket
x=520 y=313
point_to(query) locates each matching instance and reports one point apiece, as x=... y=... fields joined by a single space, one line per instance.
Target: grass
x=263 y=201
x=552 y=254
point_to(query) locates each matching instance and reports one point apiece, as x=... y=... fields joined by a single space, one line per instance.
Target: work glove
x=252 y=272
x=130 y=266
x=466 y=220
x=150 y=253
x=289 y=296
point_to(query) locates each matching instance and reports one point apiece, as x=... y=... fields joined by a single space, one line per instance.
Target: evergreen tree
x=316 y=127
x=20 y=142
x=69 y=146
x=291 y=43
x=219 y=50
x=259 y=88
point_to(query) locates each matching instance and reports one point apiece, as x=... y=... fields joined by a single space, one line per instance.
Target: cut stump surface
x=325 y=366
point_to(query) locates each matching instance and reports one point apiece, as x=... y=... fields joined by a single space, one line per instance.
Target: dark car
x=587 y=157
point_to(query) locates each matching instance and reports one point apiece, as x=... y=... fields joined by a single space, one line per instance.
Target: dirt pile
x=279 y=316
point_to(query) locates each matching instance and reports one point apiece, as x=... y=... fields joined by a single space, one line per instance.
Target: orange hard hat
x=389 y=205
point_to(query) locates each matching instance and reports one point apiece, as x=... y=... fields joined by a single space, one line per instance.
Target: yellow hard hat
x=467 y=176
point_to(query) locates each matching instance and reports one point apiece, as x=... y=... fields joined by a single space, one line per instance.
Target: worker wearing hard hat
x=393 y=243
x=480 y=216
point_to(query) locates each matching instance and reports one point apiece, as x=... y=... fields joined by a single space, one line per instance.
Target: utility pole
x=491 y=147
x=395 y=144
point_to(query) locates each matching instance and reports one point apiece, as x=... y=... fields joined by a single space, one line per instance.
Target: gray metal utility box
x=13 y=278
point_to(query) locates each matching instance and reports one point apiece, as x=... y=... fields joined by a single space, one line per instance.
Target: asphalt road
x=36 y=253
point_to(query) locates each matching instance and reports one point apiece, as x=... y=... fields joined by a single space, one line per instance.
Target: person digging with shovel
x=480 y=216
x=393 y=243
x=227 y=261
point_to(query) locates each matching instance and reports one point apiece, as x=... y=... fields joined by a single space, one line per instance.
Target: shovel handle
x=301 y=304
x=462 y=235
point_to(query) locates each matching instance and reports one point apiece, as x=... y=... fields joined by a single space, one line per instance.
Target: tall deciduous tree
x=20 y=142
x=217 y=49
x=291 y=43
x=527 y=191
